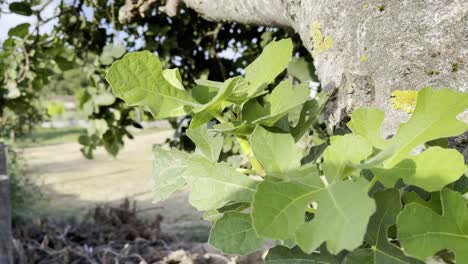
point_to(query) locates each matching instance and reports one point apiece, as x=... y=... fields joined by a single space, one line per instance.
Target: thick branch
x=366 y=50
x=259 y=12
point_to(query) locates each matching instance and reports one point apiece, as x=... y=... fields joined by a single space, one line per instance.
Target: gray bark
x=259 y=12
x=367 y=49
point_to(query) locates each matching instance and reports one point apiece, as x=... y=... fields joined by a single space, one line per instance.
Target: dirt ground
x=73 y=184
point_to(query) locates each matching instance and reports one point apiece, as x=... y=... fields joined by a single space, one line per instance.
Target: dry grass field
x=73 y=184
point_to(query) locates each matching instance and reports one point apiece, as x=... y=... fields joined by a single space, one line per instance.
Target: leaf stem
x=324 y=180
x=245 y=146
x=218 y=117
x=372 y=183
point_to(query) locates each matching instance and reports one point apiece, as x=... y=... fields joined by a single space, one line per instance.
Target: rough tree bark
x=366 y=49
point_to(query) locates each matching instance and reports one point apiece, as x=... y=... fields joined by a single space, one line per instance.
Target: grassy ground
x=53 y=136
x=49 y=136
x=72 y=185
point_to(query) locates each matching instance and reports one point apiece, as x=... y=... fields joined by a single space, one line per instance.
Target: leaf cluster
x=352 y=204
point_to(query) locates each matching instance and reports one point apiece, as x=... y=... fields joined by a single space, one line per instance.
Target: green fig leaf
x=208 y=143
x=284 y=255
x=233 y=234
x=277 y=152
x=215 y=185
x=431 y=170
x=367 y=123
x=138 y=79
x=342 y=151
x=168 y=172
x=381 y=250
x=344 y=209
x=423 y=232
x=271 y=62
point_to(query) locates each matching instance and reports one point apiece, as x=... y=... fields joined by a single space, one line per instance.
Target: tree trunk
x=366 y=49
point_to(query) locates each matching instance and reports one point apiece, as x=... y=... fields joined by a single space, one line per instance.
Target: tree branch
x=258 y=12
x=135 y=9
x=367 y=51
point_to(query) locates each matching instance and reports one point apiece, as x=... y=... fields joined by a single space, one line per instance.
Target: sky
x=8 y=21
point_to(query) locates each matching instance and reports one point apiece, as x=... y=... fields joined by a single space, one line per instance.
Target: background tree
x=87 y=37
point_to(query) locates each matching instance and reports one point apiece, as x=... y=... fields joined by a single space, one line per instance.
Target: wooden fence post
x=6 y=247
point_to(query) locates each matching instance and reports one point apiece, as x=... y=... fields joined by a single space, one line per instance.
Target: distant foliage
x=23 y=193
x=55 y=108
x=87 y=38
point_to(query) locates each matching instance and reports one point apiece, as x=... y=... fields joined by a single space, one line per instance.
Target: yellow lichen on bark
x=320 y=42
x=363 y=58
x=404 y=100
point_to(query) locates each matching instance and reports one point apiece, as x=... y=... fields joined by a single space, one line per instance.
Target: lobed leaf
x=216 y=214
x=217 y=103
x=168 y=172
x=309 y=113
x=204 y=94
x=279 y=211
x=208 y=143
x=434 y=203
x=215 y=185
x=342 y=151
x=425 y=170
x=341 y=219
x=271 y=62
x=234 y=128
x=367 y=123
x=423 y=232
x=138 y=79
x=279 y=207
x=277 y=152
x=199 y=119
x=174 y=78
x=302 y=69
x=294 y=204
x=233 y=234
x=381 y=251
x=435 y=117
x=283 y=99
x=284 y=255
